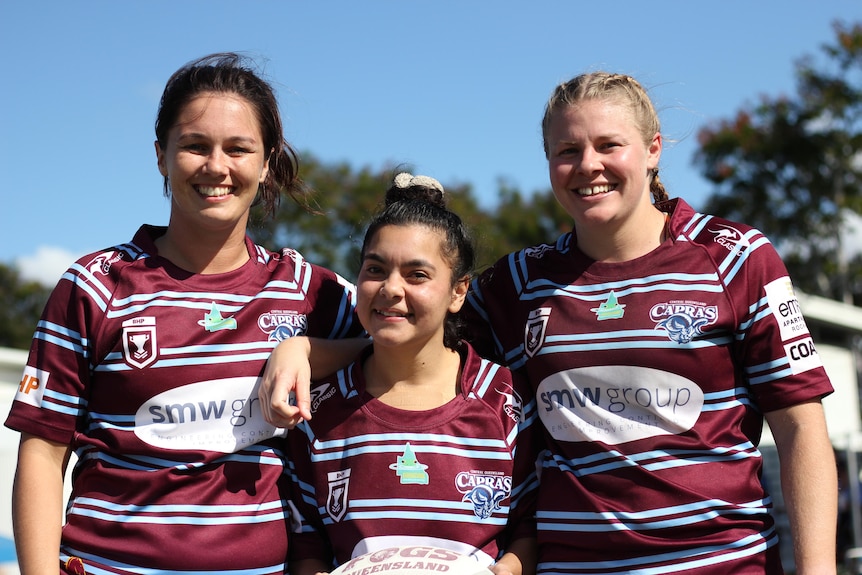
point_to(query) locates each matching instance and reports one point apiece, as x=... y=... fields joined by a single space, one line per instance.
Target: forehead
x=593 y=116
x=407 y=242
x=219 y=108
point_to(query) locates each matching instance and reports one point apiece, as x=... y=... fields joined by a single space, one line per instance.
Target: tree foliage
x=21 y=304
x=346 y=199
x=792 y=167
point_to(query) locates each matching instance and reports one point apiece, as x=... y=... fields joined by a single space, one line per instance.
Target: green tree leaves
x=792 y=167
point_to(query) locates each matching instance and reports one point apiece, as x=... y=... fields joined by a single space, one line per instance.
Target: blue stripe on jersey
x=740 y=259
x=346 y=386
x=63 y=403
x=399 y=449
x=219 y=348
x=179 y=508
x=543 y=287
x=769 y=371
x=696 y=225
x=414 y=515
x=667 y=562
x=527 y=485
x=92 y=569
x=396 y=441
x=613 y=459
x=484 y=378
x=385 y=502
x=345 y=318
x=663 y=518
x=64 y=397
x=257 y=454
x=207 y=360
x=65 y=338
x=84 y=279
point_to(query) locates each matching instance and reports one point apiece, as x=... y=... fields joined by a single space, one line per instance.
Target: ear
x=654 y=151
x=160 y=159
x=459 y=294
x=264 y=172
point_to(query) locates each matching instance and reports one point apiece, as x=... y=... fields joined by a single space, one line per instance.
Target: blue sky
x=454 y=87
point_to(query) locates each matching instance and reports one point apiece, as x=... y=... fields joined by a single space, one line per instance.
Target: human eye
x=372 y=269
x=239 y=151
x=194 y=147
x=567 y=150
x=419 y=276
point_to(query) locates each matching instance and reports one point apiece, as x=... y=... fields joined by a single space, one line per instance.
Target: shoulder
x=502 y=391
x=719 y=236
x=101 y=266
x=332 y=393
x=482 y=376
x=510 y=266
x=705 y=229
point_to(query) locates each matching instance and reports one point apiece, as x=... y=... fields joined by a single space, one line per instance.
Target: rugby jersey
x=151 y=374
x=367 y=476
x=651 y=378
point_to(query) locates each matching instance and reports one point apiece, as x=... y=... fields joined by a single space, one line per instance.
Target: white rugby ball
x=412 y=560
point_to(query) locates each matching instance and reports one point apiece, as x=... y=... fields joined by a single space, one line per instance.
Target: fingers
x=275 y=400
x=303 y=400
x=287 y=372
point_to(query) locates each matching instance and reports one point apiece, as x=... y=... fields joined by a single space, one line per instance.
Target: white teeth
x=594 y=190
x=390 y=314
x=213 y=192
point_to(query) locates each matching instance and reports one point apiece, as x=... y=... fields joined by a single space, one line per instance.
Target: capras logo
x=465 y=481
x=281 y=325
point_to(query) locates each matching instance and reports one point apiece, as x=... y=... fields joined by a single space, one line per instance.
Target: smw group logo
x=616 y=403
x=221 y=415
x=32 y=386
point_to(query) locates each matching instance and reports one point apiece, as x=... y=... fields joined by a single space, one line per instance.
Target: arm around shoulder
x=290 y=369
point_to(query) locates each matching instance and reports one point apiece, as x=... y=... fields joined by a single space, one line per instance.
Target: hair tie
x=406 y=180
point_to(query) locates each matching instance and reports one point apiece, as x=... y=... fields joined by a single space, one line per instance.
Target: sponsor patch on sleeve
x=32 y=386
x=785 y=308
x=802 y=355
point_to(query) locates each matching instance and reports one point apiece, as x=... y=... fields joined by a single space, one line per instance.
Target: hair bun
x=406 y=187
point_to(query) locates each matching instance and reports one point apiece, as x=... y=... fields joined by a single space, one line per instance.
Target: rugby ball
x=412 y=560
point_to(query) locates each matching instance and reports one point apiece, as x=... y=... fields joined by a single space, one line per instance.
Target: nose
x=590 y=162
x=391 y=287
x=215 y=163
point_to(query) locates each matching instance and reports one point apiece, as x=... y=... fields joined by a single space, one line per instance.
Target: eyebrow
x=414 y=263
x=196 y=135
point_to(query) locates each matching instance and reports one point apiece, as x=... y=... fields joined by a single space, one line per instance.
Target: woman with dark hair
x=419 y=441
x=148 y=356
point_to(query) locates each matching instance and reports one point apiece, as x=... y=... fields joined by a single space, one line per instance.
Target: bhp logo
x=32 y=386
x=28 y=384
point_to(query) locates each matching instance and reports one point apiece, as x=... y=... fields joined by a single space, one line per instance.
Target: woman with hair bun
x=419 y=441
